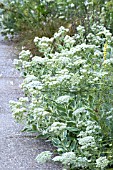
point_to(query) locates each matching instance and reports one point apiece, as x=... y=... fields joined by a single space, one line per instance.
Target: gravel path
x=17 y=150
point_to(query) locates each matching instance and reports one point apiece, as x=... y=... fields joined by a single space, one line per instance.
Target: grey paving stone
x=8 y=85
x=4 y=63
x=9 y=72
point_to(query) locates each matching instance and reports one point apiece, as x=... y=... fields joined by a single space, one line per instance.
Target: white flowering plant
x=69 y=96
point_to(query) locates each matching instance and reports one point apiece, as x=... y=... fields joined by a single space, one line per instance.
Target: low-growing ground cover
x=68 y=96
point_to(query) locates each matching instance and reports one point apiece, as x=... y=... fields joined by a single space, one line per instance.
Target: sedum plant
x=68 y=96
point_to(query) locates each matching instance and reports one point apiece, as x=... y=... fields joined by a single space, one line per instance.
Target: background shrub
x=45 y=16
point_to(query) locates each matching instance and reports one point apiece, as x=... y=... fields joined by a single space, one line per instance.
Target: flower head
x=102 y=162
x=44 y=157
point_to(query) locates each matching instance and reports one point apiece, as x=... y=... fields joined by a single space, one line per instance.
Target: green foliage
x=109 y=14
x=21 y=15
x=69 y=96
x=26 y=14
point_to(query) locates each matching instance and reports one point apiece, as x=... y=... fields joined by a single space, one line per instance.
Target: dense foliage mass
x=47 y=15
x=69 y=96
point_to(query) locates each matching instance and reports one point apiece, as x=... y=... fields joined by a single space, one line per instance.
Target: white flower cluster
x=107 y=34
x=108 y=62
x=25 y=55
x=91 y=128
x=23 y=99
x=40 y=112
x=88 y=141
x=96 y=35
x=31 y=84
x=69 y=158
x=57 y=127
x=44 y=43
x=34 y=85
x=63 y=99
x=19 y=108
x=81 y=162
x=61 y=33
x=30 y=78
x=44 y=157
x=102 y=162
x=69 y=41
x=38 y=60
x=79 y=110
x=16 y=62
x=81 y=115
x=26 y=64
x=43 y=40
x=80 y=29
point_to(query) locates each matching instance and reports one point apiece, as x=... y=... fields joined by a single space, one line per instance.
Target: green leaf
x=56 y=141
x=73 y=145
x=72 y=129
